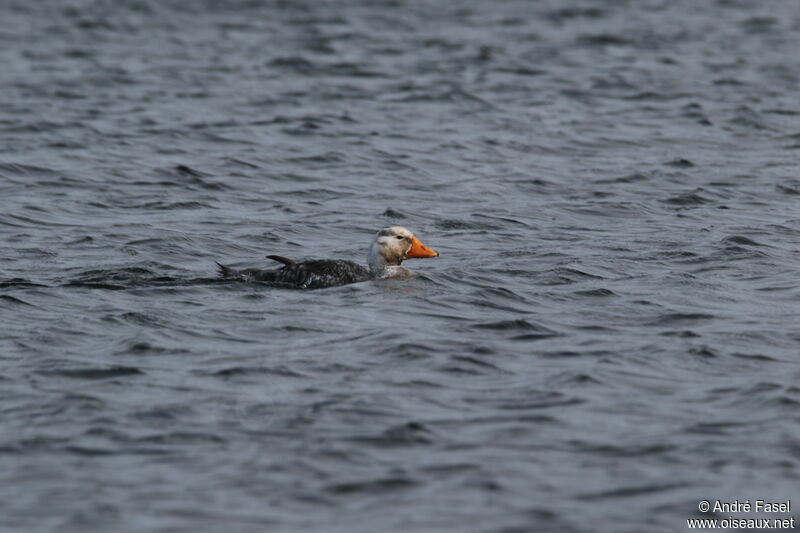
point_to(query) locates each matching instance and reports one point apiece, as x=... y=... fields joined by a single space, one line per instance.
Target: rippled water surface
x=609 y=336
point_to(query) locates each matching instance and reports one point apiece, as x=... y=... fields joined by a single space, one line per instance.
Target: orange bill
x=420 y=250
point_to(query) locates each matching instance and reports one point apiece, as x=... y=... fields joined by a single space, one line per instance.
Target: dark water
x=610 y=335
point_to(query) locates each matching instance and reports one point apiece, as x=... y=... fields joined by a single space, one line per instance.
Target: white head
x=391 y=246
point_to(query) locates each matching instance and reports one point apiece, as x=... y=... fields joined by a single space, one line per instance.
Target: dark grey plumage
x=312 y=274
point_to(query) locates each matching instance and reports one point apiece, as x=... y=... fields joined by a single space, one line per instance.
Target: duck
x=390 y=247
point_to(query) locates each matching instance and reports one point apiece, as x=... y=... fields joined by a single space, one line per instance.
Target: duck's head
x=391 y=246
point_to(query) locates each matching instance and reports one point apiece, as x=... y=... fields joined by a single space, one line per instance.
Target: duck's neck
x=383 y=267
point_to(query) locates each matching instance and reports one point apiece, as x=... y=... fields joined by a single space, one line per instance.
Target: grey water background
x=609 y=336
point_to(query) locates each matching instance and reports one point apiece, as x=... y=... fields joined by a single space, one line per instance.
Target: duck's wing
x=280 y=259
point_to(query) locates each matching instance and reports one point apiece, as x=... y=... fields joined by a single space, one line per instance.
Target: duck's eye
x=400 y=237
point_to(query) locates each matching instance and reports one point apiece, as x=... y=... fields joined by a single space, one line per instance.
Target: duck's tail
x=247 y=274
x=226 y=272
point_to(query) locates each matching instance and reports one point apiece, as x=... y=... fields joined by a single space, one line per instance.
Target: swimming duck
x=389 y=248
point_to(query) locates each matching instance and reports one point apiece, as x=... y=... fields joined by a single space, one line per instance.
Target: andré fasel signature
x=745 y=506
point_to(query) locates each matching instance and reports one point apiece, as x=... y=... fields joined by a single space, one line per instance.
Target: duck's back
x=312 y=274
x=319 y=273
